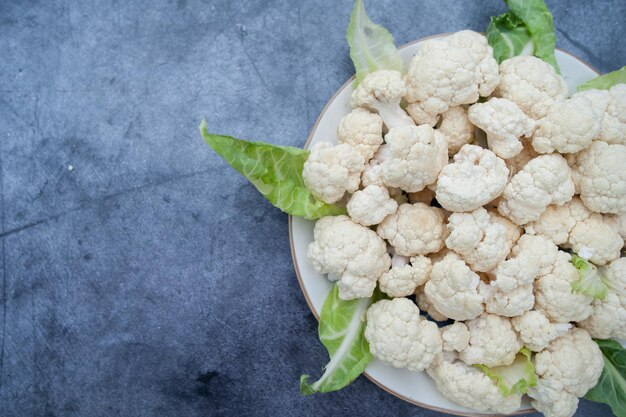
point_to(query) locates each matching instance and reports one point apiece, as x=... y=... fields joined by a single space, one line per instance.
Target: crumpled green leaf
x=526 y=27
x=611 y=387
x=606 y=81
x=589 y=281
x=372 y=47
x=515 y=378
x=342 y=331
x=276 y=171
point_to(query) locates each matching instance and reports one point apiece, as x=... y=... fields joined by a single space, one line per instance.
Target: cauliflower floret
x=519 y=270
x=489 y=76
x=601 y=176
x=617 y=222
x=440 y=76
x=417 y=155
x=536 y=330
x=425 y=304
x=371 y=205
x=456 y=128
x=507 y=303
x=452 y=289
x=455 y=337
x=415 y=229
x=570 y=127
x=399 y=336
x=504 y=123
x=350 y=253
x=554 y=296
x=573 y=362
x=404 y=277
x=330 y=171
x=373 y=172
x=518 y=162
x=532 y=84
x=481 y=242
x=595 y=234
x=381 y=92
x=574 y=226
x=543 y=181
x=363 y=130
x=599 y=99
x=556 y=222
x=476 y=177
x=540 y=248
x=552 y=400
x=425 y=196
x=469 y=386
x=608 y=316
x=614 y=123
x=493 y=342
x=513 y=231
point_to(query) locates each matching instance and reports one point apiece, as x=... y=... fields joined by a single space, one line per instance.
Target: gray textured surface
x=152 y=280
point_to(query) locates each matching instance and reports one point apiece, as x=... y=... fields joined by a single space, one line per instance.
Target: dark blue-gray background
x=141 y=276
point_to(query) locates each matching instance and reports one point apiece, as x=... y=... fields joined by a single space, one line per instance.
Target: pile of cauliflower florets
x=480 y=235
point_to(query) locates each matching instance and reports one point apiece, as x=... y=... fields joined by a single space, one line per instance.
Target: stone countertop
x=141 y=276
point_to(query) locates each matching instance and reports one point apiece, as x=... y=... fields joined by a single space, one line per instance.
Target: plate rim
x=297 y=267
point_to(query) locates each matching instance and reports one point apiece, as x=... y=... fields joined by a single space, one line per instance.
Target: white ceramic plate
x=416 y=388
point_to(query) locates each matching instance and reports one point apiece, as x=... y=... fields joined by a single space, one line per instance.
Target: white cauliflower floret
x=481 y=242
x=507 y=303
x=570 y=127
x=381 y=92
x=554 y=296
x=556 y=222
x=371 y=205
x=417 y=154
x=504 y=123
x=469 y=386
x=331 y=171
x=574 y=226
x=600 y=238
x=363 y=130
x=476 y=177
x=452 y=289
x=519 y=270
x=617 y=222
x=518 y=162
x=513 y=231
x=455 y=337
x=540 y=248
x=573 y=362
x=425 y=304
x=350 y=253
x=440 y=76
x=415 y=229
x=399 y=336
x=552 y=400
x=614 y=123
x=493 y=342
x=599 y=99
x=425 y=196
x=601 y=176
x=536 y=330
x=456 y=128
x=373 y=174
x=489 y=76
x=404 y=277
x=532 y=84
x=543 y=181
x=608 y=316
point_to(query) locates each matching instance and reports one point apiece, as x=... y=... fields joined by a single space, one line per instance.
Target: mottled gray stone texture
x=141 y=276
